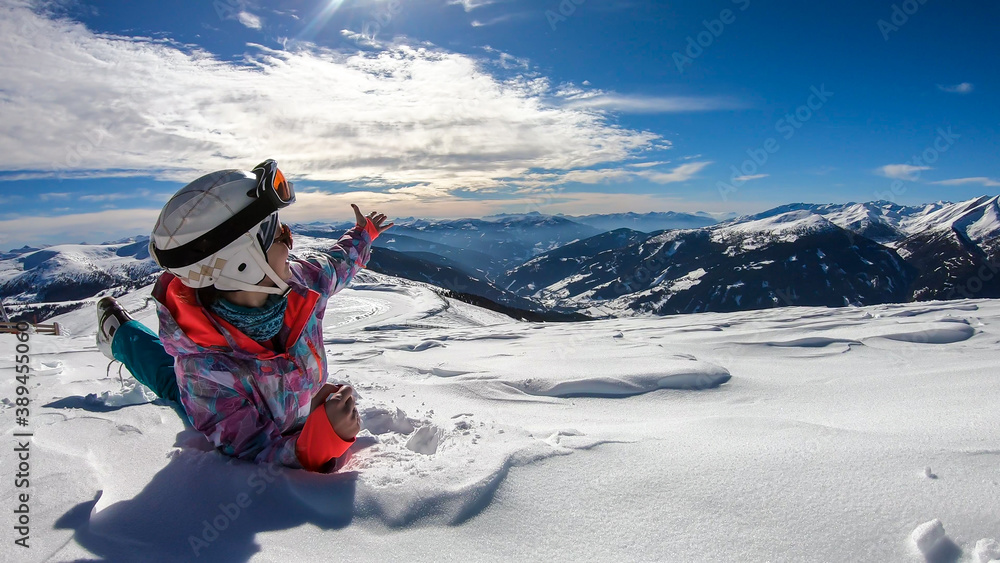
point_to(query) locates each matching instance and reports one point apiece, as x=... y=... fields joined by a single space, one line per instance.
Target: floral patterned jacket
x=250 y=400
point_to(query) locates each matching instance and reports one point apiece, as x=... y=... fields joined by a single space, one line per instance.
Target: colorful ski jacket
x=250 y=400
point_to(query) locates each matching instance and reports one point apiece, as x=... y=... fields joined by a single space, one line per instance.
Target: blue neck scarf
x=259 y=323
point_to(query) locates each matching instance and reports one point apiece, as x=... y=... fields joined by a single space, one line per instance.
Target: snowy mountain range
x=954 y=246
x=646 y=222
x=601 y=265
x=797 y=254
x=795 y=258
x=39 y=283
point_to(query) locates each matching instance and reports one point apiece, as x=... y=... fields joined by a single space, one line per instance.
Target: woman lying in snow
x=241 y=326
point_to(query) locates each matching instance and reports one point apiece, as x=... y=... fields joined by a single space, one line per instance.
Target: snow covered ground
x=842 y=435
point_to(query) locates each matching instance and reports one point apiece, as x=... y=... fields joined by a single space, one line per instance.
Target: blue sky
x=454 y=108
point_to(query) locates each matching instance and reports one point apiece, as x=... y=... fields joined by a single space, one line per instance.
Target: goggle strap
x=216 y=239
x=265 y=237
x=243 y=286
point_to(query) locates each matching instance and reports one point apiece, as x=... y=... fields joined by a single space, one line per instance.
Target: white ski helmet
x=217 y=229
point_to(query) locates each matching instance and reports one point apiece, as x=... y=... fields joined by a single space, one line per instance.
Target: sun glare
x=319 y=21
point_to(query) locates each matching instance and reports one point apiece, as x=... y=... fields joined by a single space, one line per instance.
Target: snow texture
x=792 y=434
x=928 y=535
x=987 y=550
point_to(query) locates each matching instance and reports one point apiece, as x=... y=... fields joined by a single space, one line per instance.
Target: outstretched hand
x=377 y=219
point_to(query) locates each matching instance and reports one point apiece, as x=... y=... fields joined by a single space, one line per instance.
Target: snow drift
x=784 y=434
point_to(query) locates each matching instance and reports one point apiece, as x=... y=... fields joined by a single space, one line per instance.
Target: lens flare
x=319 y=21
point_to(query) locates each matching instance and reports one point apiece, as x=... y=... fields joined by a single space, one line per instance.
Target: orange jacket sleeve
x=318 y=443
x=371 y=229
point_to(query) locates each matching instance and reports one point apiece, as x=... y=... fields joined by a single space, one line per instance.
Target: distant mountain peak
x=127 y=240
x=799 y=221
x=502 y=215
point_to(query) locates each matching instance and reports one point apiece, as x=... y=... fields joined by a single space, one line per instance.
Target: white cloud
x=470 y=5
x=66 y=174
x=54 y=195
x=116 y=196
x=94 y=227
x=406 y=115
x=906 y=172
x=493 y=21
x=981 y=180
x=287 y=13
x=963 y=88
x=598 y=100
x=750 y=177
x=502 y=18
x=646 y=164
x=682 y=173
x=536 y=182
x=250 y=20
x=597 y=176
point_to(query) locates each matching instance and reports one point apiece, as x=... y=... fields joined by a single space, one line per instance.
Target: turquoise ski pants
x=142 y=353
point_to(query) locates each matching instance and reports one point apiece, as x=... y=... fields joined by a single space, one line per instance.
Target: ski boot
x=110 y=316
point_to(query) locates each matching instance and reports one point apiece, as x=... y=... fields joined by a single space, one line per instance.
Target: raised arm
x=335 y=269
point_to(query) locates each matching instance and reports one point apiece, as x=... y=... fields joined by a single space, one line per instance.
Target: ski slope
x=794 y=434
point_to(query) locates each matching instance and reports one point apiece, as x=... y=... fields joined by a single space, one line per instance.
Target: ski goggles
x=272 y=185
x=273 y=231
x=271 y=193
x=285 y=236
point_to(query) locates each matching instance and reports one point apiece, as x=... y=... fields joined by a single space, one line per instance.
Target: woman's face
x=277 y=257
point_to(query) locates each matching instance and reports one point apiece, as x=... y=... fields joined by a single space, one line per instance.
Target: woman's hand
x=320 y=397
x=377 y=219
x=338 y=400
